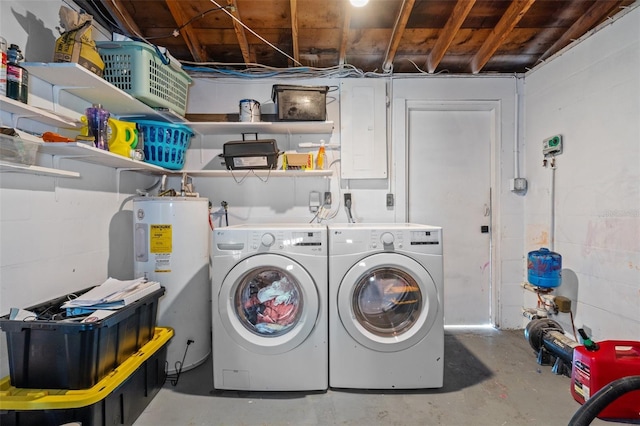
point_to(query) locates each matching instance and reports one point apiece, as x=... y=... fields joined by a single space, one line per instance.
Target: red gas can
x=592 y=370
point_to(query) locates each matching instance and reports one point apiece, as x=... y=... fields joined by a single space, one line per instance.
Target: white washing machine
x=270 y=326
x=386 y=322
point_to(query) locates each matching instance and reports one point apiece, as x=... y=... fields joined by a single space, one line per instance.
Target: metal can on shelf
x=17 y=76
x=3 y=67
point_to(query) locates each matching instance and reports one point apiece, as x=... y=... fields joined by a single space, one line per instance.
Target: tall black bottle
x=17 y=76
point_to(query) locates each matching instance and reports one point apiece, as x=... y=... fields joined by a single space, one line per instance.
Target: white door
x=449 y=180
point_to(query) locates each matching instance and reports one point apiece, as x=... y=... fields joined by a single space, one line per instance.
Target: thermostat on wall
x=552 y=146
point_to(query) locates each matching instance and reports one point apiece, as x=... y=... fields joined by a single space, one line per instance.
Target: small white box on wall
x=363 y=121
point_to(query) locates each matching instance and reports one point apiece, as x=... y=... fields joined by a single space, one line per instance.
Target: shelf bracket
x=118 y=171
x=56 y=165
x=56 y=89
x=16 y=117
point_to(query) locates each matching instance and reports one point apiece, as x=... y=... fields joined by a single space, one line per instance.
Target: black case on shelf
x=252 y=154
x=300 y=103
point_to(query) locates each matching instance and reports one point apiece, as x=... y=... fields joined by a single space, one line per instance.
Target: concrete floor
x=491 y=378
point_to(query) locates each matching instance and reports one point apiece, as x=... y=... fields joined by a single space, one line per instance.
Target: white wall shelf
x=267 y=127
x=20 y=110
x=36 y=170
x=90 y=154
x=259 y=173
x=79 y=81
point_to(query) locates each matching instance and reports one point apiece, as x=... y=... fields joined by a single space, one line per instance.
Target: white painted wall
x=57 y=235
x=277 y=199
x=286 y=199
x=591 y=96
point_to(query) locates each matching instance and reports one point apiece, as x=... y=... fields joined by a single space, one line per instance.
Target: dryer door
x=388 y=302
x=268 y=304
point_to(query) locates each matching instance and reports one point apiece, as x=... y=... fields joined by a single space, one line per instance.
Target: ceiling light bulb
x=359 y=3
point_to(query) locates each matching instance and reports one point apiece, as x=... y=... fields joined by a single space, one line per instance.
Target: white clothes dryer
x=269 y=317
x=386 y=322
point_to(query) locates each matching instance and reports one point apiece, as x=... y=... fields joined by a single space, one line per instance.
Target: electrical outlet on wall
x=518 y=185
x=327 y=199
x=314 y=201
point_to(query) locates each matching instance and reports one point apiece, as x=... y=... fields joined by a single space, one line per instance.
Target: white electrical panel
x=363 y=125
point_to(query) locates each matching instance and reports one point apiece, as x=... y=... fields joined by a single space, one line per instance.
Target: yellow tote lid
x=12 y=398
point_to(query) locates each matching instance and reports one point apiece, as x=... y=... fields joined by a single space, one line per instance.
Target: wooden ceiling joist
x=191 y=39
x=448 y=33
x=294 y=29
x=461 y=36
x=507 y=23
x=396 y=36
x=117 y=9
x=599 y=10
x=240 y=34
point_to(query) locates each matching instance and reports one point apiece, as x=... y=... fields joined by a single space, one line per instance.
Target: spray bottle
x=321 y=157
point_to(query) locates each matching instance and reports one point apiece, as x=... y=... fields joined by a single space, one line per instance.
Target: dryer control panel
x=410 y=239
x=419 y=238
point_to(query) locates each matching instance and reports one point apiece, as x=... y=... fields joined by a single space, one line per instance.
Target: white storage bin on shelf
x=138 y=69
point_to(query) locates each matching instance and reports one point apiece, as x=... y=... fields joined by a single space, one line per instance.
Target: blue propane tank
x=544 y=268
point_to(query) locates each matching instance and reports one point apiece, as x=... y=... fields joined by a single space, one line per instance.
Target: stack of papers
x=113 y=294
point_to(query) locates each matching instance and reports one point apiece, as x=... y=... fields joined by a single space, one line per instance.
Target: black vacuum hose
x=601 y=399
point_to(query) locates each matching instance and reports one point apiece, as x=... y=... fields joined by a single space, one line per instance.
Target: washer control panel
x=288 y=241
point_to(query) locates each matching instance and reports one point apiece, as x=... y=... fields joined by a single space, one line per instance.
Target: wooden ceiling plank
x=188 y=34
x=117 y=9
x=507 y=23
x=448 y=33
x=294 y=29
x=396 y=36
x=240 y=34
x=583 y=24
x=342 y=58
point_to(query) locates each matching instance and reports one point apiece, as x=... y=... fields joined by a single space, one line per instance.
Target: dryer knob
x=268 y=240
x=387 y=238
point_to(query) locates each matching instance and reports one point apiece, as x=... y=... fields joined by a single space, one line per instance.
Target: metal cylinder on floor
x=171 y=246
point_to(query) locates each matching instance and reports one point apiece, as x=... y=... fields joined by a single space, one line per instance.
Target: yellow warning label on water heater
x=161 y=239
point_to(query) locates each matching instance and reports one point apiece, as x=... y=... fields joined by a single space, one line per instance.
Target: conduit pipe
x=516 y=139
x=552 y=196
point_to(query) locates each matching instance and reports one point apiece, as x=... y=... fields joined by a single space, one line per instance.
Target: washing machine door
x=268 y=304
x=388 y=302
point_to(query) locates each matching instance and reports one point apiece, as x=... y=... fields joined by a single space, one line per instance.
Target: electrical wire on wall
x=255 y=33
x=552 y=196
x=174 y=378
x=552 y=147
x=220 y=69
x=176 y=32
x=325 y=211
